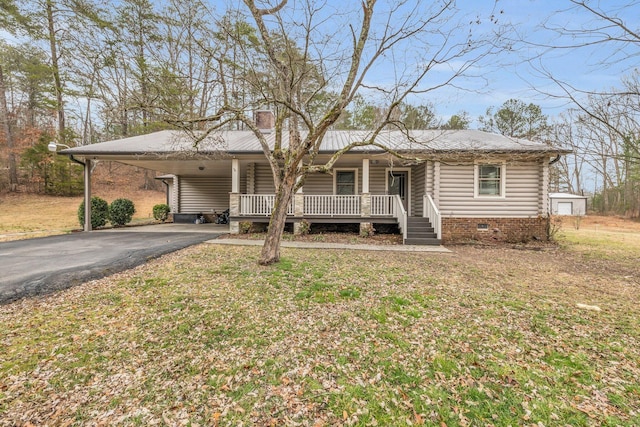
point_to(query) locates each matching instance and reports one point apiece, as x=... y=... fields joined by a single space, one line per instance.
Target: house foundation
x=455 y=230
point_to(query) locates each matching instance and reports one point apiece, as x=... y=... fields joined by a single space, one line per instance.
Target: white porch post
x=235 y=175
x=234 y=196
x=365 y=176
x=544 y=182
x=87 y=195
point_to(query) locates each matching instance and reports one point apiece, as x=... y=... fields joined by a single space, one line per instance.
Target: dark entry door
x=398 y=183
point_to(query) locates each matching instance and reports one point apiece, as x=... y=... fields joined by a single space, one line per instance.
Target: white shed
x=567 y=204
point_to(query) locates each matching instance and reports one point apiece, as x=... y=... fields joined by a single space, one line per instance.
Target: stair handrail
x=431 y=211
x=401 y=213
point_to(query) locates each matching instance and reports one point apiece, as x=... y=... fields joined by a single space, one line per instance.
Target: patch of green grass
x=350 y=293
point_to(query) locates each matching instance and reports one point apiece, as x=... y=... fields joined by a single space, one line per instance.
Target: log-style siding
x=417 y=189
x=320 y=184
x=429 y=178
x=521 y=195
x=377 y=179
x=455 y=185
x=263 y=179
x=206 y=195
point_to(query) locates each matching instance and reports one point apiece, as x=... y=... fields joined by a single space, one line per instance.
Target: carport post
x=87 y=195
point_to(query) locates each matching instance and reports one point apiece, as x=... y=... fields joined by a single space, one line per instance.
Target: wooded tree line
x=83 y=71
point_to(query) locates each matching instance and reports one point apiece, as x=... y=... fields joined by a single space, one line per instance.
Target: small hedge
x=99 y=212
x=161 y=212
x=121 y=212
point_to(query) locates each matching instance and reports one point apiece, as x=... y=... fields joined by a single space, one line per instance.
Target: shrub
x=161 y=212
x=244 y=227
x=99 y=212
x=121 y=211
x=304 y=227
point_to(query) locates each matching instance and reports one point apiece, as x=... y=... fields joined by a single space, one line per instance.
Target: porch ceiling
x=182 y=167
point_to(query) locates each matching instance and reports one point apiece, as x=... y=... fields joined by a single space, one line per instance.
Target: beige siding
x=322 y=184
x=263 y=179
x=429 y=172
x=318 y=184
x=417 y=189
x=206 y=195
x=377 y=180
x=521 y=195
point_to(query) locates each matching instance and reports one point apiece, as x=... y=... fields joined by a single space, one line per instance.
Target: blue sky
x=517 y=74
x=513 y=74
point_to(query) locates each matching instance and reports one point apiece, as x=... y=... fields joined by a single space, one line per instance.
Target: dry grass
x=31 y=215
x=204 y=336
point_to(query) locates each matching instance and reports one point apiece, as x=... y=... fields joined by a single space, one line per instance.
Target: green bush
x=121 y=211
x=161 y=212
x=99 y=212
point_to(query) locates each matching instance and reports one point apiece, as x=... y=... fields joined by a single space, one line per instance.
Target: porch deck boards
x=322 y=219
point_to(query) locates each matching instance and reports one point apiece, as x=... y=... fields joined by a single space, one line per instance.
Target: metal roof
x=566 y=196
x=170 y=143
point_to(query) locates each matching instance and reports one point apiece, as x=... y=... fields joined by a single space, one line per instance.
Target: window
x=489 y=180
x=345 y=182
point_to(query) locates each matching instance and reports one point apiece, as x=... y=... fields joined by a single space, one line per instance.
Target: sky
x=511 y=73
x=517 y=74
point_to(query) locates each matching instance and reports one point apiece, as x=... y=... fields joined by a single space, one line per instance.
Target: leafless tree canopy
x=308 y=62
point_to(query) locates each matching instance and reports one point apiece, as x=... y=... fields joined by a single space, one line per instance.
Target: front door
x=398 y=183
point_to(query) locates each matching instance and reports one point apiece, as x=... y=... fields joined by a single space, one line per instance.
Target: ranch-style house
x=461 y=184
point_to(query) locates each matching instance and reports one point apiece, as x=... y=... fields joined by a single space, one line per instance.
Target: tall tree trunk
x=56 y=72
x=271 y=250
x=6 y=127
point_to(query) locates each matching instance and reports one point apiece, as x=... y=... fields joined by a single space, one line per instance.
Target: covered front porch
x=364 y=209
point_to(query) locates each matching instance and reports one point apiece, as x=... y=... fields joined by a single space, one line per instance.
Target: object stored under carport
x=223 y=218
x=182 y=218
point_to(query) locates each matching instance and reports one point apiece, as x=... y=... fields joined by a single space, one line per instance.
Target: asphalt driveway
x=44 y=265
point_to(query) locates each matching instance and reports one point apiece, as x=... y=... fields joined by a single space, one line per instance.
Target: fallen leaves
x=484 y=336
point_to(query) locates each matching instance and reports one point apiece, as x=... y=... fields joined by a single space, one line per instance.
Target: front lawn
x=483 y=336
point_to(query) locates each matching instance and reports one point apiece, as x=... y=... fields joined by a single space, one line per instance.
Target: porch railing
x=322 y=205
x=331 y=205
x=381 y=205
x=260 y=204
x=431 y=211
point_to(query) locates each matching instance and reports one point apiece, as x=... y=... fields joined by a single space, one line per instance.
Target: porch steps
x=420 y=232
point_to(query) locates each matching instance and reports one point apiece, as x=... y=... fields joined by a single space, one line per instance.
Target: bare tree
x=304 y=51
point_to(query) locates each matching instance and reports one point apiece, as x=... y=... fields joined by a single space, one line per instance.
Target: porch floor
x=342 y=219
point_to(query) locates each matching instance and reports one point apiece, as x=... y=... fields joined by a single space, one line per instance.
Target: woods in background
x=82 y=71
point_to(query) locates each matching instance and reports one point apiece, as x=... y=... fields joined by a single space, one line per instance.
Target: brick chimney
x=265 y=120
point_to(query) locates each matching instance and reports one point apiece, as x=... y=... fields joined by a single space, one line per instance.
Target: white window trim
x=355 y=174
x=503 y=180
x=386 y=183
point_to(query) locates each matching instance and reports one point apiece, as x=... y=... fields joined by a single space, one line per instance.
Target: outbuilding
x=567 y=204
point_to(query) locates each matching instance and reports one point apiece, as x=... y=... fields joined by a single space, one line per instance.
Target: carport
x=211 y=172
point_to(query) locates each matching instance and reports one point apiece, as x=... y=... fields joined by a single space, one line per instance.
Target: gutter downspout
x=549 y=208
